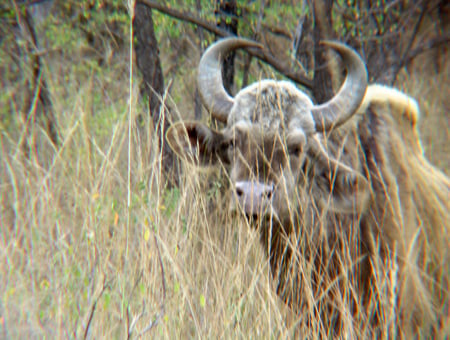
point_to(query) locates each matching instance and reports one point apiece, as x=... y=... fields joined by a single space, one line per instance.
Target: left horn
x=209 y=78
x=344 y=104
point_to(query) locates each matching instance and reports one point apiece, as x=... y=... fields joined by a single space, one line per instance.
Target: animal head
x=272 y=135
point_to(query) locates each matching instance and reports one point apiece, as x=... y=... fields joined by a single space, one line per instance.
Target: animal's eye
x=227 y=145
x=295 y=149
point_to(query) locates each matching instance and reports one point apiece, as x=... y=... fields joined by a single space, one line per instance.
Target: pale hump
x=401 y=103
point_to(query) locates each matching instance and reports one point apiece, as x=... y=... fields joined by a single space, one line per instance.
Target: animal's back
x=410 y=207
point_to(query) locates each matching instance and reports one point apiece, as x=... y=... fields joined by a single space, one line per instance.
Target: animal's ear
x=340 y=187
x=197 y=143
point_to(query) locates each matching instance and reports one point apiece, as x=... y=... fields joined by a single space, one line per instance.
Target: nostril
x=269 y=192
x=239 y=192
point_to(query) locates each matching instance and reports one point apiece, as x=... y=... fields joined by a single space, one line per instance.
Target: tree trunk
x=36 y=86
x=197 y=100
x=148 y=63
x=323 y=72
x=226 y=15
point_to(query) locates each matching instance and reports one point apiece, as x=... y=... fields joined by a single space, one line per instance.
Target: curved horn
x=209 y=78
x=345 y=103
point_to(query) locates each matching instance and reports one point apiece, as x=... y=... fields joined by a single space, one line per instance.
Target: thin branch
x=135 y=319
x=38 y=83
x=426 y=46
x=260 y=18
x=163 y=303
x=276 y=30
x=162 y=307
x=261 y=54
x=372 y=15
x=93 y=308
x=298 y=37
x=201 y=37
x=411 y=41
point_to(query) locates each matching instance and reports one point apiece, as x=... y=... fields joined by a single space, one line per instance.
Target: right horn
x=344 y=104
x=209 y=78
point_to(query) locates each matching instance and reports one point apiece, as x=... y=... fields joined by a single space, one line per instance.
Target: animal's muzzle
x=253 y=197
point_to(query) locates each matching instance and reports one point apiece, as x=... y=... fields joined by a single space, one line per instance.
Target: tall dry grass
x=93 y=245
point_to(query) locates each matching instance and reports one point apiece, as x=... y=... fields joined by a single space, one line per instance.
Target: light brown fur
x=357 y=239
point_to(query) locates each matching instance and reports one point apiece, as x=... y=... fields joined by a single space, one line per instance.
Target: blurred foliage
x=67 y=21
x=352 y=18
x=90 y=32
x=249 y=13
x=94 y=21
x=85 y=32
x=173 y=28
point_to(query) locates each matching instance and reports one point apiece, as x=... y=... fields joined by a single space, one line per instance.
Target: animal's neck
x=297 y=243
x=274 y=238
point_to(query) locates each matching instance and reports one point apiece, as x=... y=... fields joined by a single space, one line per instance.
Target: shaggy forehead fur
x=260 y=150
x=273 y=106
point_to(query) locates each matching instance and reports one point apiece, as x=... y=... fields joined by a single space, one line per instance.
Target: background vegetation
x=93 y=242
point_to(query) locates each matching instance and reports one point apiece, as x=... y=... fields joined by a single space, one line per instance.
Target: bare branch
x=260 y=18
x=38 y=83
x=262 y=55
x=135 y=319
x=162 y=308
x=133 y=323
x=163 y=303
x=280 y=31
x=411 y=41
x=201 y=37
x=426 y=46
x=93 y=308
x=298 y=37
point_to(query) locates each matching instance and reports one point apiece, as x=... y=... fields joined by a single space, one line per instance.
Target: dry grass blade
x=93 y=245
x=92 y=310
x=153 y=323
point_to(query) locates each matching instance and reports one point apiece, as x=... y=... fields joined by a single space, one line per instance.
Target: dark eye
x=231 y=144
x=295 y=150
x=227 y=145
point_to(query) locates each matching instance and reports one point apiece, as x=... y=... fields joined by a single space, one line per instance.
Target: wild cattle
x=353 y=218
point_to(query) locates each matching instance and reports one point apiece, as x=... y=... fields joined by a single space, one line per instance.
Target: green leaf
x=202 y=301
